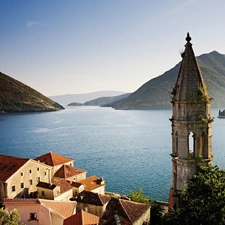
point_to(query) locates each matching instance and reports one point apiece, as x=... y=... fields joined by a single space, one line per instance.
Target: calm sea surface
x=130 y=149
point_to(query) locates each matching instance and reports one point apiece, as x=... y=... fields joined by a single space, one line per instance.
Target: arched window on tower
x=191 y=145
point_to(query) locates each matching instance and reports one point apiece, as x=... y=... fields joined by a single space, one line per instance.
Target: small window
x=13 y=188
x=21 y=174
x=43 y=193
x=38 y=169
x=45 y=173
x=30 y=171
x=33 y=216
x=22 y=185
x=31 y=182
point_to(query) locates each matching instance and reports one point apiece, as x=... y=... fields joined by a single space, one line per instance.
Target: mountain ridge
x=18 y=97
x=156 y=93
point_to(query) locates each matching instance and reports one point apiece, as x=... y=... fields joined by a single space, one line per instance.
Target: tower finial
x=188 y=38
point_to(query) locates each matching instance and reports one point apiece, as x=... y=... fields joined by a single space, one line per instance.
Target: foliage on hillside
x=156 y=93
x=18 y=97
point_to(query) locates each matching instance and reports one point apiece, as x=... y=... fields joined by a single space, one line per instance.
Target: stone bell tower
x=191 y=122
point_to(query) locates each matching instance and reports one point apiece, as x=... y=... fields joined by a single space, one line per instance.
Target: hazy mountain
x=18 y=97
x=156 y=93
x=82 y=98
x=105 y=100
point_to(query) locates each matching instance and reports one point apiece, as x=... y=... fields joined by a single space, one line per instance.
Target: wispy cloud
x=32 y=23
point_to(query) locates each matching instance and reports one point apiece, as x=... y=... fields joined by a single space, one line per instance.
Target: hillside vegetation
x=156 y=93
x=18 y=97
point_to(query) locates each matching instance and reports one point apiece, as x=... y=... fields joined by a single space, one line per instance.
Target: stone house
x=60 y=191
x=19 y=176
x=69 y=173
x=82 y=218
x=55 y=161
x=94 y=184
x=91 y=202
x=77 y=187
x=40 y=211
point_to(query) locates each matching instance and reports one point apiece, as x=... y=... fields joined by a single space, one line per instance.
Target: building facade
x=19 y=177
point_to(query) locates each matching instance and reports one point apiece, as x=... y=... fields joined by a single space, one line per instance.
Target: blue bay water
x=130 y=149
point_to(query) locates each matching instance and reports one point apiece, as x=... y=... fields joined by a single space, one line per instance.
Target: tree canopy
x=9 y=218
x=203 y=199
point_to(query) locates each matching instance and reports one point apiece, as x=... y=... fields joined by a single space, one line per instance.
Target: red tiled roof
x=92 y=198
x=91 y=183
x=82 y=218
x=21 y=201
x=64 y=185
x=129 y=210
x=67 y=171
x=63 y=208
x=9 y=165
x=53 y=159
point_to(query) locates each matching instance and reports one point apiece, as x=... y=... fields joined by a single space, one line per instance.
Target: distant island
x=103 y=101
x=75 y=104
x=17 y=97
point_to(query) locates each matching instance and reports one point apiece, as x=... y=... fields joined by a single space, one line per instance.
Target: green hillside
x=18 y=97
x=156 y=93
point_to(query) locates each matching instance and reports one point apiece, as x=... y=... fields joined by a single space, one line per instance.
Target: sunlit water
x=130 y=149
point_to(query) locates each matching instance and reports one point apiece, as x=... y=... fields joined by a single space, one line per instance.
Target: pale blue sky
x=81 y=46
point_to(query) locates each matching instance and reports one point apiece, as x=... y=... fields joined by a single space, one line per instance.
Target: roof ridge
x=51 y=157
x=128 y=215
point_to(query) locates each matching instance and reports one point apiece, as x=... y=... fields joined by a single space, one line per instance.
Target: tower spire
x=191 y=122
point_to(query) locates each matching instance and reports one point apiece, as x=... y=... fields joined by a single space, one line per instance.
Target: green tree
x=156 y=209
x=139 y=196
x=203 y=199
x=9 y=218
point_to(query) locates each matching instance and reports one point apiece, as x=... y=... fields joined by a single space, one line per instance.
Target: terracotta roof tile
x=21 y=201
x=53 y=159
x=91 y=183
x=82 y=218
x=134 y=210
x=92 y=198
x=9 y=165
x=129 y=210
x=64 y=185
x=67 y=171
x=63 y=208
